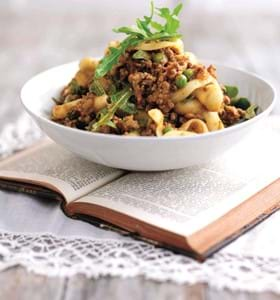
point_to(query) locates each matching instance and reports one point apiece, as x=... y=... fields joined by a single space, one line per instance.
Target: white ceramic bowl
x=143 y=153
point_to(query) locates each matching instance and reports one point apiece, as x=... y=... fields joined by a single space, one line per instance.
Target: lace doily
x=53 y=255
x=56 y=256
x=15 y=137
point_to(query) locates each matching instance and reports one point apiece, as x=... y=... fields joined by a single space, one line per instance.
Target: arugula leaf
x=131 y=30
x=251 y=112
x=167 y=129
x=129 y=108
x=106 y=64
x=242 y=103
x=111 y=124
x=231 y=91
x=177 y=9
x=163 y=36
x=118 y=100
x=144 y=24
x=157 y=26
x=145 y=30
x=96 y=88
x=77 y=89
x=172 y=22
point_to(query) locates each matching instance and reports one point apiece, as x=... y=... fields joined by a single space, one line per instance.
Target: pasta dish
x=148 y=85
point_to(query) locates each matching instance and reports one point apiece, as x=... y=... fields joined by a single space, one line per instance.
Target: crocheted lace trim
x=50 y=255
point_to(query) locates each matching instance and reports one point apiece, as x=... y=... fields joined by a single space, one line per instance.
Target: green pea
x=181 y=81
x=167 y=129
x=231 y=91
x=140 y=54
x=188 y=73
x=242 y=103
x=159 y=58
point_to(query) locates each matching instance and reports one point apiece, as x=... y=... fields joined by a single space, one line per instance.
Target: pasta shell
x=157 y=116
x=190 y=87
x=156 y=45
x=211 y=96
x=88 y=64
x=189 y=106
x=99 y=102
x=195 y=125
x=213 y=120
x=191 y=57
x=61 y=111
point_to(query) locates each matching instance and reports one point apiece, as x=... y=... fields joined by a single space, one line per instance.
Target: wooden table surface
x=32 y=41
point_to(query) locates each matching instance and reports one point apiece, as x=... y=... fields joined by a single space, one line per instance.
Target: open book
x=195 y=210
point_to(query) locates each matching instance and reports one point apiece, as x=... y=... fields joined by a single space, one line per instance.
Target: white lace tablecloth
x=34 y=233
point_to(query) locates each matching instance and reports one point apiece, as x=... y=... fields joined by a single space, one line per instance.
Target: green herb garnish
x=77 y=89
x=251 y=112
x=106 y=63
x=145 y=30
x=167 y=129
x=129 y=108
x=112 y=89
x=231 y=91
x=242 y=103
x=105 y=116
x=96 y=88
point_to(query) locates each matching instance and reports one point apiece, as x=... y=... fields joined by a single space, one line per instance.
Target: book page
x=57 y=168
x=184 y=201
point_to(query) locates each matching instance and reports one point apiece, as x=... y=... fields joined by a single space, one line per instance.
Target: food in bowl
x=147 y=85
x=145 y=153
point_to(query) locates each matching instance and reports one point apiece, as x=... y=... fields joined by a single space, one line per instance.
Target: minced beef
x=201 y=72
x=212 y=71
x=82 y=115
x=150 y=130
x=175 y=119
x=152 y=83
x=126 y=124
x=231 y=115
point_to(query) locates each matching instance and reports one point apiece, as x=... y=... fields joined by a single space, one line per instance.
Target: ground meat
x=150 y=130
x=201 y=72
x=67 y=122
x=152 y=83
x=175 y=119
x=227 y=100
x=84 y=107
x=212 y=71
x=130 y=123
x=105 y=129
x=231 y=115
x=126 y=124
x=142 y=84
x=82 y=114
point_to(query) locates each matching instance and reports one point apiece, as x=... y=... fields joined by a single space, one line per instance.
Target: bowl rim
x=206 y=135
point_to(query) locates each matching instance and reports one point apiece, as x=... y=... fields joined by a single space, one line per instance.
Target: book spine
x=29 y=189
x=134 y=235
